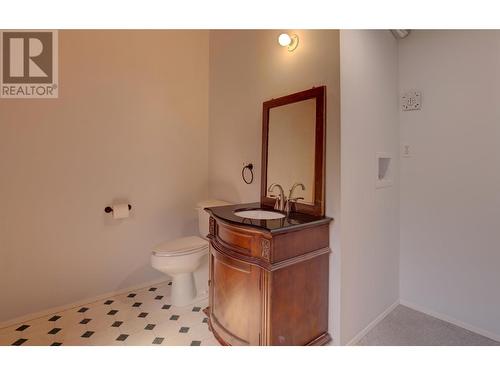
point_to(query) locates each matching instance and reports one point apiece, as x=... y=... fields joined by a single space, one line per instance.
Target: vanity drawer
x=247 y=242
x=239 y=239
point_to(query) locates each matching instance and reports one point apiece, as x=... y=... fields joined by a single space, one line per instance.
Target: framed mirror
x=293 y=149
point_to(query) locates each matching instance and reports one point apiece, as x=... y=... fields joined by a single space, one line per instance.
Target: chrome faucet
x=280 y=198
x=291 y=199
x=283 y=203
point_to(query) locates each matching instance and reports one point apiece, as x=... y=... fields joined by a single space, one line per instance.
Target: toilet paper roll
x=120 y=211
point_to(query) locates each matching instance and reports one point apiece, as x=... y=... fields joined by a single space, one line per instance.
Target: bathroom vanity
x=268 y=278
x=269 y=261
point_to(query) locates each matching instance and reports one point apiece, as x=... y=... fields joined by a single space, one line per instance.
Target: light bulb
x=291 y=41
x=284 y=40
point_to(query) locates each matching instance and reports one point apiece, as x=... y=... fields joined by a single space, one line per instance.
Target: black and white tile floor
x=140 y=317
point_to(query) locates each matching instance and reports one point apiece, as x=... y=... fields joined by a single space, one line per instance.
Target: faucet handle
x=288 y=205
x=280 y=199
x=277 y=203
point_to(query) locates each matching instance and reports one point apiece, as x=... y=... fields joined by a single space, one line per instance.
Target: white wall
x=131 y=123
x=450 y=186
x=248 y=67
x=369 y=216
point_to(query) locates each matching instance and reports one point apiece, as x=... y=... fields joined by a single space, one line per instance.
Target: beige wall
x=131 y=123
x=370 y=216
x=248 y=68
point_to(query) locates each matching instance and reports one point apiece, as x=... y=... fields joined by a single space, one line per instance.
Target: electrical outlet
x=411 y=101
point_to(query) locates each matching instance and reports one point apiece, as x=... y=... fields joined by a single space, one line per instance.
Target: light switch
x=406 y=151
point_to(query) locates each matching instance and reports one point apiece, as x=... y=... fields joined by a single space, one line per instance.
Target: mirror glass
x=291 y=148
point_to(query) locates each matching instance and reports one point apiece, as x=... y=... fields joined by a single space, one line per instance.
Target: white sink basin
x=259 y=214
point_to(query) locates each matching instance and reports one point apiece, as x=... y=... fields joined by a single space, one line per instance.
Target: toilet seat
x=181 y=246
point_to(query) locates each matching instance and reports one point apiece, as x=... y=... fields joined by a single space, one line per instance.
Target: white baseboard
x=53 y=310
x=372 y=324
x=449 y=319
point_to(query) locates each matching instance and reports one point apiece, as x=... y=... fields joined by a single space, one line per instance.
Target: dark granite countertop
x=294 y=220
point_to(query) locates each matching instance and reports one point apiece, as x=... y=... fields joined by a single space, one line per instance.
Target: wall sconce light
x=288 y=40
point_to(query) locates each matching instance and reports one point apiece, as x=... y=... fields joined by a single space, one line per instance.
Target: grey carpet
x=404 y=326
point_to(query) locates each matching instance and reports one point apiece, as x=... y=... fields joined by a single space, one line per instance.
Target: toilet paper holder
x=109 y=209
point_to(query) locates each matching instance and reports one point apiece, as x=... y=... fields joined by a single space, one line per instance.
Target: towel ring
x=250 y=168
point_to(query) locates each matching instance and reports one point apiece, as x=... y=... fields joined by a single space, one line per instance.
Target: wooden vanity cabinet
x=268 y=289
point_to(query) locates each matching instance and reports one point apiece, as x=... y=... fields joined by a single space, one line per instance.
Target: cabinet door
x=234 y=299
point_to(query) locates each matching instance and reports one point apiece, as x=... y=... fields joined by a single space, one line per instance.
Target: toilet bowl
x=182 y=257
x=179 y=259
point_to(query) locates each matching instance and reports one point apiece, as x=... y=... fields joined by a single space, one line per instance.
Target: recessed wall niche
x=384 y=170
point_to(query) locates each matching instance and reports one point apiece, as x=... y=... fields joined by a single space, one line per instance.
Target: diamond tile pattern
x=122 y=337
x=158 y=340
x=139 y=317
x=19 y=342
x=53 y=331
x=88 y=334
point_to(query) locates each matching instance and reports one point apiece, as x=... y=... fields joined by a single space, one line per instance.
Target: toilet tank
x=203 y=215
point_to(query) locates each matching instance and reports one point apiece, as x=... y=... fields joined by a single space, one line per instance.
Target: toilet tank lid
x=180 y=245
x=212 y=203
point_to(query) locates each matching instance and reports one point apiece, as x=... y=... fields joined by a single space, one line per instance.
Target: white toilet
x=186 y=259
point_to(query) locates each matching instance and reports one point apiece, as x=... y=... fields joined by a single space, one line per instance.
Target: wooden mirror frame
x=318 y=93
